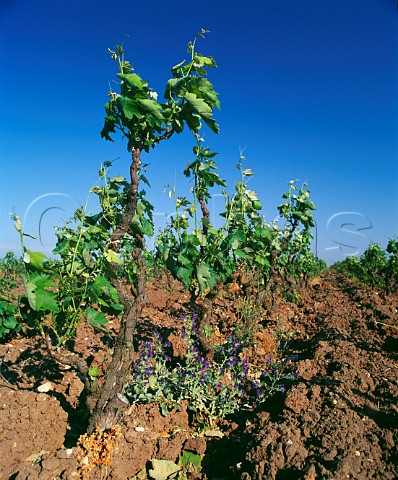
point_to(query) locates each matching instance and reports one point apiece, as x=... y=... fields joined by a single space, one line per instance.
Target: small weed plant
x=213 y=388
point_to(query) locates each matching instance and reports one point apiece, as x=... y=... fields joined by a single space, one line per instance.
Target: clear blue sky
x=309 y=87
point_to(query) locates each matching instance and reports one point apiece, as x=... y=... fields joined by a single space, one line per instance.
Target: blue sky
x=308 y=87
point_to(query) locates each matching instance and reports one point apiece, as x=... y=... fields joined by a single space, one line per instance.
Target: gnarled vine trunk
x=106 y=405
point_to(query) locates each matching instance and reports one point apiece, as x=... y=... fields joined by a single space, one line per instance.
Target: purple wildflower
x=259 y=392
x=245 y=366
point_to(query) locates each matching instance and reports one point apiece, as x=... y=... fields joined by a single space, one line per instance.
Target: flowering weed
x=213 y=388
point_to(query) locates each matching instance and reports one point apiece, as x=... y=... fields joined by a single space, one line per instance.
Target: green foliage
x=191 y=460
x=205 y=256
x=163 y=469
x=213 y=388
x=391 y=268
x=59 y=294
x=8 y=318
x=11 y=269
x=143 y=120
x=10 y=278
x=188 y=462
x=377 y=268
x=102 y=261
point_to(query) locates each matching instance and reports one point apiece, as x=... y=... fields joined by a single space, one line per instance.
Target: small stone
x=45 y=387
x=139 y=429
x=41 y=397
x=357 y=453
x=33 y=458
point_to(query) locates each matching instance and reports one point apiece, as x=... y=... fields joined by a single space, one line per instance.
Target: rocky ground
x=339 y=420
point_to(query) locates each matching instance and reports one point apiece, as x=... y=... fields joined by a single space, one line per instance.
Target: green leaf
x=87 y=259
x=162 y=469
x=237 y=238
x=252 y=195
x=46 y=300
x=189 y=458
x=109 y=127
x=95 y=319
x=93 y=372
x=240 y=253
x=152 y=107
x=10 y=323
x=198 y=105
x=185 y=259
x=201 y=237
x=212 y=124
x=111 y=256
x=184 y=275
x=192 y=119
x=39 y=298
x=145 y=180
x=205 y=276
x=61 y=247
x=204 y=89
x=102 y=288
x=153 y=382
x=129 y=108
x=117 y=179
x=132 y=80
x=146 y=227
x=204 y=61
x=176 y=68
x=35 y=259
x=175 y=87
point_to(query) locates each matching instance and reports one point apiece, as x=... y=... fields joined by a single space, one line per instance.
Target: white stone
x=45 y=387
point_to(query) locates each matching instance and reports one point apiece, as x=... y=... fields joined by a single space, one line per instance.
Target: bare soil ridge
x=338 y=420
